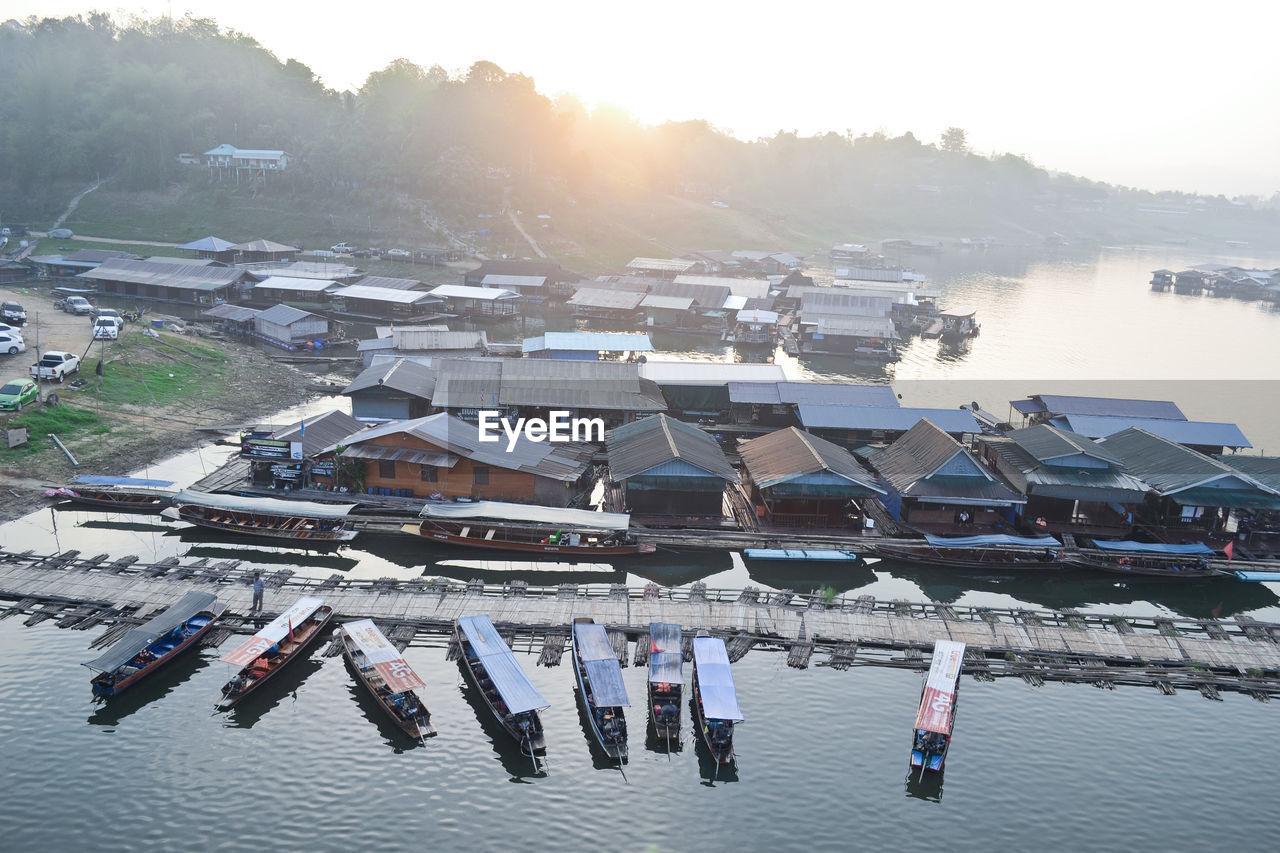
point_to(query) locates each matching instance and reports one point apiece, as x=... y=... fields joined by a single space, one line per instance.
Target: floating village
x=588 y=444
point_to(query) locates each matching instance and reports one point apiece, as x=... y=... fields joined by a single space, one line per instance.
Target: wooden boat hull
x=988 y=560
x=617 y=750
x=103 y=688
x=721 y=752
x=581 y=551
x=135 y=504
x=417 y=728
x=528 y=746
x=191 y=515
x=666 y=728
x=1153 y=569
x=230 y=700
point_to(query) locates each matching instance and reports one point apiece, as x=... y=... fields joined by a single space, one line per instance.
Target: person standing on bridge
x=258 y=587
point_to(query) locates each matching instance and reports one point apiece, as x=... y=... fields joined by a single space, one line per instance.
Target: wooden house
x=598 y=303
x=168 y=282
x=382 y=303
x=278 y=289
x=585 y=346
x=755 y=327
x=400 y=390
x=286 y=325
x=799 y=480
x=478 y=302
x=667 y=467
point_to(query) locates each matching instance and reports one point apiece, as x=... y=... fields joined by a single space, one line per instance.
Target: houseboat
x=154 y=643
x=994 y=551
x=715 y=701
x=117 y=494
x=936 y=717
x=267 y=652
x=525 y=527
x=600 y=687
x=1161 y=280
x=389 y=679
x=666 y=679
x=271 y=518
x=958 y=324
x=506 y=690
x=1152 y=559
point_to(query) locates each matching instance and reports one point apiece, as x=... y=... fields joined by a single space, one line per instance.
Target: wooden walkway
x=1240 y=655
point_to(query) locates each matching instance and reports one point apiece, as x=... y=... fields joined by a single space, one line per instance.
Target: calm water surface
x=822 y=757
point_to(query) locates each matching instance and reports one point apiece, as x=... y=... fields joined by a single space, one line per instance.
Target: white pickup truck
x=55 y=365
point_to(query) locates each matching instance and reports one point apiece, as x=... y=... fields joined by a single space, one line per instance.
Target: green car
x=16 y=394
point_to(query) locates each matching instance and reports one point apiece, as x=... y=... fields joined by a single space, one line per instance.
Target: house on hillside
x=212 y=248
x=228 y=161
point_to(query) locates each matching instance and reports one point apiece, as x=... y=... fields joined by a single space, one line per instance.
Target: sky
x=1161 y=95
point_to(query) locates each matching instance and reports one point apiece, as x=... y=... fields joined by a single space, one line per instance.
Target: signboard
x=323 y=469
x=393 y=668
x=270 y=448
x=257 y=645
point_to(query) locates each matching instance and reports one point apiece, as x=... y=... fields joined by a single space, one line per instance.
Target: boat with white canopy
x=715 y=700
x=666 y=678
x=146 y=648
x=493 y=669
x=936 y=717
x=268 y=651
x=133 y=495
x=525 y=527
x=270 y=517
x=387 y=676
x=600 y=686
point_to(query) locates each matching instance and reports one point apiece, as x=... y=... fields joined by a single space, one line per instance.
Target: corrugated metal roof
x=1109 y=485
x=673 y=303
x=307 y=285
x=787 y=454
x=1264 y=469
x=706 y=295
x=594 y=297
x=167 y=275
x=589 y=342
x=401 y=375
x=1168 y=466
x=677 y=265
x=1210 y=433
x=635 y=283
x=234 y=313
x=320 y=431
x=383 y=294
x=1059 y=404
x=499 y=280
x=285 y=315
x=392 y=283
x=426 y=340
x=312 y=269
x=1045 y=443
x=709 y=372
x=819 y=393
x=462 y=291
x=607 y=385
x=853 y=326
x=647 y=443
x=886 y=418
x=755 y=393
x=98 y=256
x=748 y=287
x=181 y=262
x=908 y=465
x=208 y=244
x=264 y=246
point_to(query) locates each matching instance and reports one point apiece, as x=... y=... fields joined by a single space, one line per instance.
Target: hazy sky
x=1166 y=95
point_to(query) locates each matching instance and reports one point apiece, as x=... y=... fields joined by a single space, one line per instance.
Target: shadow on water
x=257 y=556
x=128 y=526
x=519 y=767
x=928 y=787
x=197 y=536
x=810 y=575
x=709 y=770
x=662 y=745
x=599 y=760
x=534 y=574
x=283 y=685
x=676 y=567
x=112 y=710
x=392 y=735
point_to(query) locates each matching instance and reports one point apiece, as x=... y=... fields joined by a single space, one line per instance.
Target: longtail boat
x=146 y=648
x=119 y=494
x=1153 y=559
x=268 y=651
x=715 y=701
x=523 y=527
x=994 y=551
x=493 y=669
x=387 y=676
x=600 y=686
x=268 y=517
x=936 y=717
x=666 y=678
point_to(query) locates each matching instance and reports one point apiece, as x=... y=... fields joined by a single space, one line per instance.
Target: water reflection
x=160 y=683
x=922 y=785
x=281 y=558
x=519 y=767
x=392 y=735
x=281 y=686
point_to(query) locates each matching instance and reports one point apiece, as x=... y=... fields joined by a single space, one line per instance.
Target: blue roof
x=100 y=480
x=715 y=680
x=589 y=342
x=604 y=673
x=499 y=662
x=1062 y=404
x=815 y=416
x=991 y=539
x=1153 y=547
x=817 y=555
x=208 y=244
x=1210 y=433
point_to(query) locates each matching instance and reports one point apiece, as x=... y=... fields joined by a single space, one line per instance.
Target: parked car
x=12 y=343
x=343 y=248
x=62 y=234
x=56 y=365
x=361 y=253
x=399 y=253
x=376 y=252
x=108 y=312
x=5 y=328
x=77 y=305
x=11 y=312
x=16 y=393
x=107 y=328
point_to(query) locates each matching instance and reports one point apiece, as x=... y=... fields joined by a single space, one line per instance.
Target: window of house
x=480 y=476
x=387 y=469
x=430 y=474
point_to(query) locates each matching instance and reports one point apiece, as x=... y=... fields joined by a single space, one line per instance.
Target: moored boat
x=995 y=551
x=387 y=676
x=146 y=648
x=666 y=678
x=507 y=691
x=268 y=651
x=936 y=717
x=600 y=686
x=1151 y=559
x=119 y=494
x=272 y=518
x=715 y=701
x=522 y=527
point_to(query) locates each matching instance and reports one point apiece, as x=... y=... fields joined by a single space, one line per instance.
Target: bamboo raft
x=1238 y=655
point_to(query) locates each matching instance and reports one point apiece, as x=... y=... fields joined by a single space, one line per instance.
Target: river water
x=823 y=754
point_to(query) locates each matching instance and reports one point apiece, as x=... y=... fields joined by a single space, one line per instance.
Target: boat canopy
x=262 y=506
x=600 y=662
x=1258 y=576
x=818 y=554
x=527 y=514
x=137 y=639
x=992 y=539
x=1154 y=547
x=940 y=688
x=386 y=658
x=666 y=668
x=715 y=680
x=275 y=631
x=665 y=637
x=499 y=662
x=102 y=480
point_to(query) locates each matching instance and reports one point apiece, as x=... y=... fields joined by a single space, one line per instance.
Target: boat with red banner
x=387 y=676
x=146 y=648
x=268 y=651
x=1152 y=559
x=525 y=527
x=666 y=679
x=936 y=716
